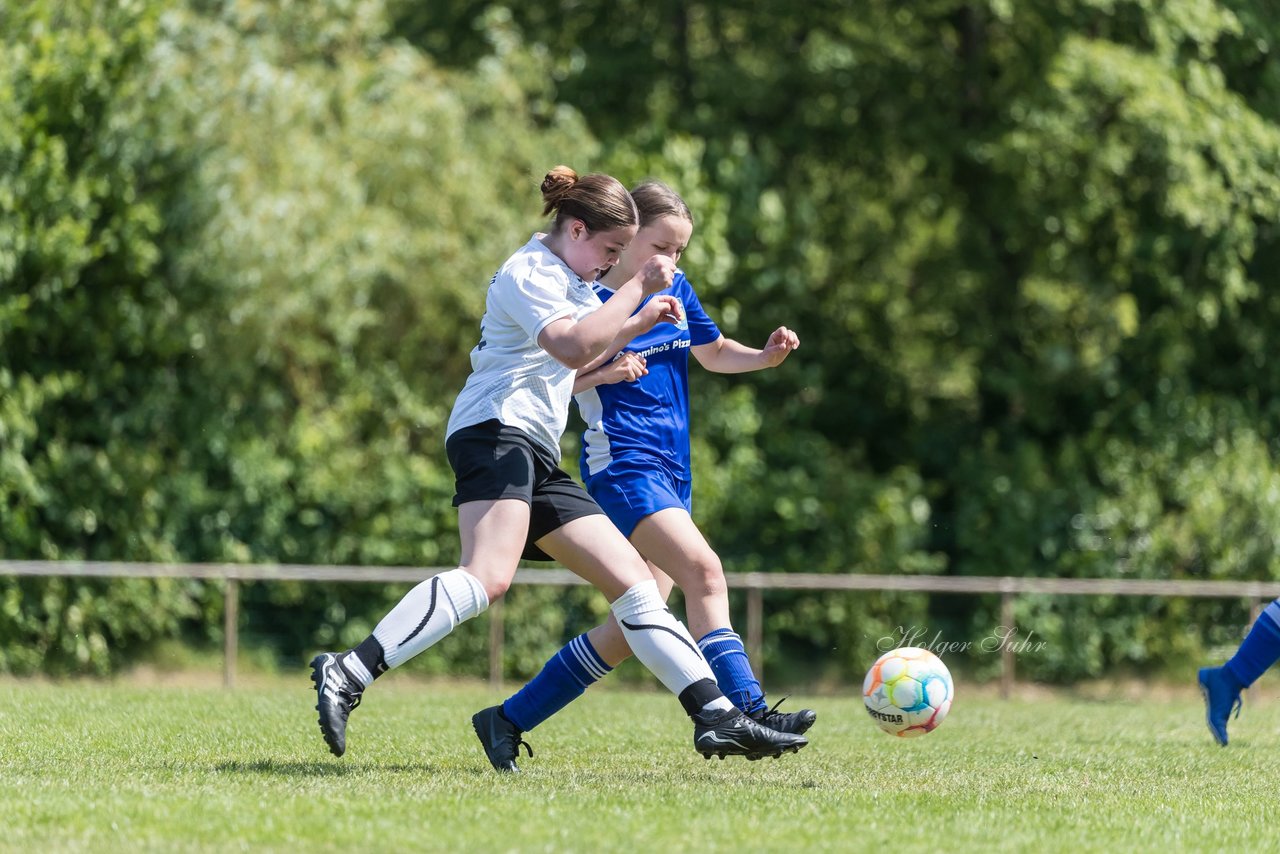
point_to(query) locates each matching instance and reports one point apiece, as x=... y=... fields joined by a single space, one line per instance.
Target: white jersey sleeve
x=532 y=296
x=513 y=380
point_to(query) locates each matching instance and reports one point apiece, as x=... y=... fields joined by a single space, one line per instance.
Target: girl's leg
x=671 y=535
x=595 y=549
x=607 y=638
x=592 y=547
x=493 y=535
x=1260 y=649
x=1221 y=686
x=575 y=667
x=670 y=539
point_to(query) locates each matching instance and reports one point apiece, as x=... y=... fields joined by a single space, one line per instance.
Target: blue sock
x=723 y=650
x=561 y=681
x=1261 y=648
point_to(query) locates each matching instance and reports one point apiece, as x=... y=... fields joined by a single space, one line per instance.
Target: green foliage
x=267 y=376
x=92 y=383
x=1027 y=248
x=1022 y=244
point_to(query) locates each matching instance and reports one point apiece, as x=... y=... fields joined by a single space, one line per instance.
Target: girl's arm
x=726 y=356
x=667 y=309
x=628 y=367
x=582 y=343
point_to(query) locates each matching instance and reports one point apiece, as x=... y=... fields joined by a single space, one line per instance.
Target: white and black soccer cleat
x=336 y=695
x=731 y=733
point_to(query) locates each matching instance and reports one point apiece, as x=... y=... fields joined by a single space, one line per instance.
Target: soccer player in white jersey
x=543 y=323
x=635 y=462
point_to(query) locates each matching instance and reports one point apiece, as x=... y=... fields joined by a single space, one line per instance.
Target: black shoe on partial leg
x=501 y=739
x=336 y=695
x=794 y=722
x=731 y=733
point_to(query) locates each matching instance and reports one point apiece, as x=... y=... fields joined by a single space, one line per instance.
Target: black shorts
x=491 y=460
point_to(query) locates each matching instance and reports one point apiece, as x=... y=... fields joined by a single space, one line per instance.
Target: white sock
x=659 y=640
x=428 y=612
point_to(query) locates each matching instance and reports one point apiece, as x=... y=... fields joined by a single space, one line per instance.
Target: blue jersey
x=648 y=417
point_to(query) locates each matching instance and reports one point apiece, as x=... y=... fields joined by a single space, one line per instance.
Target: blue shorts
x=627 y=492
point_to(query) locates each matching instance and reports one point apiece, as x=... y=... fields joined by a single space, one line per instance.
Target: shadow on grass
x=317 y=769
x=624 y=778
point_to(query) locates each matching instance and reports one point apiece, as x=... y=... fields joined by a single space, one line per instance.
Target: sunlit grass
x=187 y=765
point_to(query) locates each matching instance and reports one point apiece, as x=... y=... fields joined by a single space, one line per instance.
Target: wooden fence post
x=497 y=637
x=755 y=630
x=1255 y=611
x=1006 y=649
x=230 y=631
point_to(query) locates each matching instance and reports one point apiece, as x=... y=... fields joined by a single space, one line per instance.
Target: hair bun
x=555 y=185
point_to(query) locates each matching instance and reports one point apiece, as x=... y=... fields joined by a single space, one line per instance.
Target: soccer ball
x=908 y=691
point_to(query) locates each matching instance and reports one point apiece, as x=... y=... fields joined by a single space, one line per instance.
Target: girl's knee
x=497 y=589
x=495 y=580
x=709 y=574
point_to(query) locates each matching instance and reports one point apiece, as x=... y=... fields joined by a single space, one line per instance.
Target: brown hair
x=600 y=201
x=654 y=200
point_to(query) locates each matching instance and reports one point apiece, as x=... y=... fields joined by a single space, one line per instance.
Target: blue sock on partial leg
x=1260 y=649
x=562 y=680
x=723 y=650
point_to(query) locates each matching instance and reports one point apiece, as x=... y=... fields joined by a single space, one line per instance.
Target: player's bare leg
x=492 y=537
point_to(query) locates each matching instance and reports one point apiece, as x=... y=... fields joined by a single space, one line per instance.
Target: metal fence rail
x=1259 y=593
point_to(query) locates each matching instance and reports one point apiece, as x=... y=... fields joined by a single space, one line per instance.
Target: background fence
x=755 y=584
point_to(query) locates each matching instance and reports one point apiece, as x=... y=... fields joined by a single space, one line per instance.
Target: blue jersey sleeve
x=702 y=329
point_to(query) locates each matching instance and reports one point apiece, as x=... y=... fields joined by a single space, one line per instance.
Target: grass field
x=187 y=766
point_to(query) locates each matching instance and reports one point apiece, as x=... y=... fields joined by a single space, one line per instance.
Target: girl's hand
x=780 y=345
x=656 y=274
x=663 y=308
x=628 y=368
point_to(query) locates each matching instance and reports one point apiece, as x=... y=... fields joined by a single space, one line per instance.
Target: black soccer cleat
x=501 y=739
x=337 y=694
x=731 y=733
x=793 y=722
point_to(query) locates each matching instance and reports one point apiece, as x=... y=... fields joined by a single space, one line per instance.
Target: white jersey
x=512 y=378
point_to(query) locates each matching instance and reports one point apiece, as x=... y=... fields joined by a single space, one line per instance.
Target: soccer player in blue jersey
x=1221 y=686
x=635 y=463
x=542 y=323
